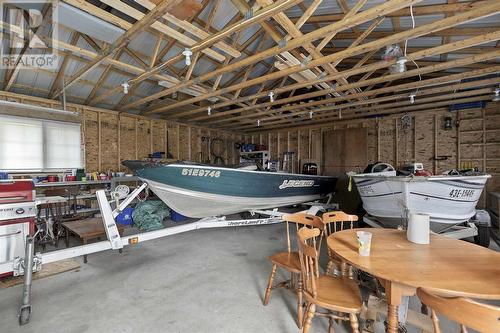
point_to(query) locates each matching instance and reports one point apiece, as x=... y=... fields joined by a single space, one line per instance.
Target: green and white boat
x=198 y=190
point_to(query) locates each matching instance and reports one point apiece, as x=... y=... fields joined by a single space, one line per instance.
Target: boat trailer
x=33 y=262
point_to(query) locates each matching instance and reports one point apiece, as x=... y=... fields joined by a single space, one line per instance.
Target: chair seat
x=337 y=294
x=287 y=260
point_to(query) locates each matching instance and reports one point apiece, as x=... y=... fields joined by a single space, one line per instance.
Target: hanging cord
x=406 y=45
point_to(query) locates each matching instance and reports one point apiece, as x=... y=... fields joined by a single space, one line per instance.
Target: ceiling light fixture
x=258 y=122
x=496 y=97
x=401 y=64
x=271 y=96
x=311 y=114
x=187 y=53
x=209 y=110
x=125 y=86
x=412 y=97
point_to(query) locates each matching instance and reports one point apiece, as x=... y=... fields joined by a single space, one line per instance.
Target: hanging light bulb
x=496 y=97
x=311 y=114
x=412 y=98
x=125 y=86
x=258 y=122
x=187 y=53
x=400 y=64
x=271 y=96
x=209 y=110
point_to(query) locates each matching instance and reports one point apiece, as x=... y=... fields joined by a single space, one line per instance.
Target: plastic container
x=176 y=217
x=125 y=217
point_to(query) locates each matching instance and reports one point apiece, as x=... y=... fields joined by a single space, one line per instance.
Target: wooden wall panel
x=91 y=140
x=173 y=139
x=143 y=138
x=425 y=140
x=158 y=135
x=127 y=139
x=109 y=142
x=184 y=142
x=387 y=142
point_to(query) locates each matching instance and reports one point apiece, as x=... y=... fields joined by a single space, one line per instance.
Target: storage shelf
x=75 y=183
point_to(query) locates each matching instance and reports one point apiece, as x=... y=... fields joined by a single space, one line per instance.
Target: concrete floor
x=209 y=280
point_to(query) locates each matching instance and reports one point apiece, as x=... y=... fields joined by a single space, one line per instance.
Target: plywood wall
x=474 y=143
x=110 y=137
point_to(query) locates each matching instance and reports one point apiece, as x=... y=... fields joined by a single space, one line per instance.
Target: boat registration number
x=462 y=193
x=200 y=173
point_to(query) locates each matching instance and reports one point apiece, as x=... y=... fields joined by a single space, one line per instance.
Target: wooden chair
x=337 y=221
x=468 y=313
x=338 y=295
x=289 y=260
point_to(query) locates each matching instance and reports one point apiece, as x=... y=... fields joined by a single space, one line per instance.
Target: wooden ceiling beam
x=162 y=28
x=417 y=11
x=422 y=30
x=123 y=40
x=370 y=69
x=192 y=29
x=357 y=19
x=442 y=33
x=402 y=110
x=257 y=17
x=410 y=73
x=375 y=103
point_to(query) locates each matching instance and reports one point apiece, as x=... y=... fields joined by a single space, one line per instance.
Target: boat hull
x=448 y=200
x=200 y=191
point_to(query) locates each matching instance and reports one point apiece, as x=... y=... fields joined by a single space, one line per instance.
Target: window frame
x=45 y=123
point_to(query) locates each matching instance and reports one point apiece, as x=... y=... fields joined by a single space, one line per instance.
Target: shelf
x=75 y=183
x=254 y=152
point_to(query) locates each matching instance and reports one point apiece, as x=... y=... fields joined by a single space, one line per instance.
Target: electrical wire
x=406 y=45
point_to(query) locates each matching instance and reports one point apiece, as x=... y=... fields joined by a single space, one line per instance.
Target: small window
x=38 y=145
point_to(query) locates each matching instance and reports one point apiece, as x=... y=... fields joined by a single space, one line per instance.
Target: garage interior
x=250 y=166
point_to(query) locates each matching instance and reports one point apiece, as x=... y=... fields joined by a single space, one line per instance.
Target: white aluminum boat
x=449 y=200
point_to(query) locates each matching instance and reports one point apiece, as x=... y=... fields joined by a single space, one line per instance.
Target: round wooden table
x=447 y=266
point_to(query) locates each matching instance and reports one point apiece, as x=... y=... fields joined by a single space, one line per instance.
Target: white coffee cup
x=364 y=242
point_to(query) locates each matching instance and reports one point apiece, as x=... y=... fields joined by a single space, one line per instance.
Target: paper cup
x=364 y=242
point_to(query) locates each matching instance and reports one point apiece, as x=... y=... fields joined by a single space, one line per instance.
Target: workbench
x=86 y=230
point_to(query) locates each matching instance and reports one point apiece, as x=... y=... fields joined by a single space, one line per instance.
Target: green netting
x=149 y=215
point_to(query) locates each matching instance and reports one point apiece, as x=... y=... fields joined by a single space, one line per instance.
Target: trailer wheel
x=483 y=235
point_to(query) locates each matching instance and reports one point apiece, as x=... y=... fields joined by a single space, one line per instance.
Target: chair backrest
x=337 y=221
x=300 y=219
x=468 y=313
x=309 y=241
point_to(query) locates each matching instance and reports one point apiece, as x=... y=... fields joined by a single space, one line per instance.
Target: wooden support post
x=396 y=145
x=151 y=136
x=136 y=146
x=118 y=144
x=99 y=141
x=435 y=143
